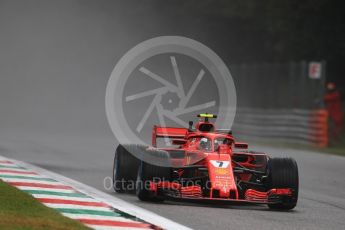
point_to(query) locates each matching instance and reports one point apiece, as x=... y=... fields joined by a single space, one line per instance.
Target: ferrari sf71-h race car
x=207 y=166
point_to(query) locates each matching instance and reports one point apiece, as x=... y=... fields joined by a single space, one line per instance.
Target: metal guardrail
x=283 y=125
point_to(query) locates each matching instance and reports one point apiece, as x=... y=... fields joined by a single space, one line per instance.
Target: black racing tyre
x=125 y=168
x=149 y=172
x=283 y=173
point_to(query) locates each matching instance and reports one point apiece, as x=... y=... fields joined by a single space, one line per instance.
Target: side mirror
x=178 y=142
x=241 y=145
x=190 y=123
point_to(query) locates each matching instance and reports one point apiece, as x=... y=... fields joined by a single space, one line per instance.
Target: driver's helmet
x=331 y=86
x=205 y=144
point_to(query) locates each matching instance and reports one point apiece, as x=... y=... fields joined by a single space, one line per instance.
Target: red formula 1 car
x=207 y=166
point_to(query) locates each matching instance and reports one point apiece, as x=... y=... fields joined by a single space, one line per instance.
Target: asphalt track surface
x=89 y=159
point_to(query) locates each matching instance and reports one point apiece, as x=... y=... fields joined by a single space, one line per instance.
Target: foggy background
x=56 y=56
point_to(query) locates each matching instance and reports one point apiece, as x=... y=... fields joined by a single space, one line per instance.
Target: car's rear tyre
x=283 y=173
x=149 y=172
x=125 y=168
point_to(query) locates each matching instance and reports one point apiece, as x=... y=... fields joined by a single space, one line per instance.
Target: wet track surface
x=89 y=159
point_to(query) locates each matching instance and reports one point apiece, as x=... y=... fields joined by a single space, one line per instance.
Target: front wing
x=175 y=192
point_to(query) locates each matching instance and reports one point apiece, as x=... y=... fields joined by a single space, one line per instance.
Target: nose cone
x=224 y=193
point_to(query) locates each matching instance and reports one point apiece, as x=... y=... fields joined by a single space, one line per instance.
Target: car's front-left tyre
x=125 y=168
x=149 y=172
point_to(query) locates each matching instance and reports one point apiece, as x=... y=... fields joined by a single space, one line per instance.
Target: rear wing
x=167 y=132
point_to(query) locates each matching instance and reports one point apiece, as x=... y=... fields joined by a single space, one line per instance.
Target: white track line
x=14 y=169
x=31 y=181
x=75 y=206
x=98 y=217
x=98 y=227
x=22 y=187
x=47 y=189
x=122 y=205
x=24 y=175
x=48 y=196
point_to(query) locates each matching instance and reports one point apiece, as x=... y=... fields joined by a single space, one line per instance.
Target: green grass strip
x=87 y=212
x=20 y=211
x=56 y=193
x=27 y=177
